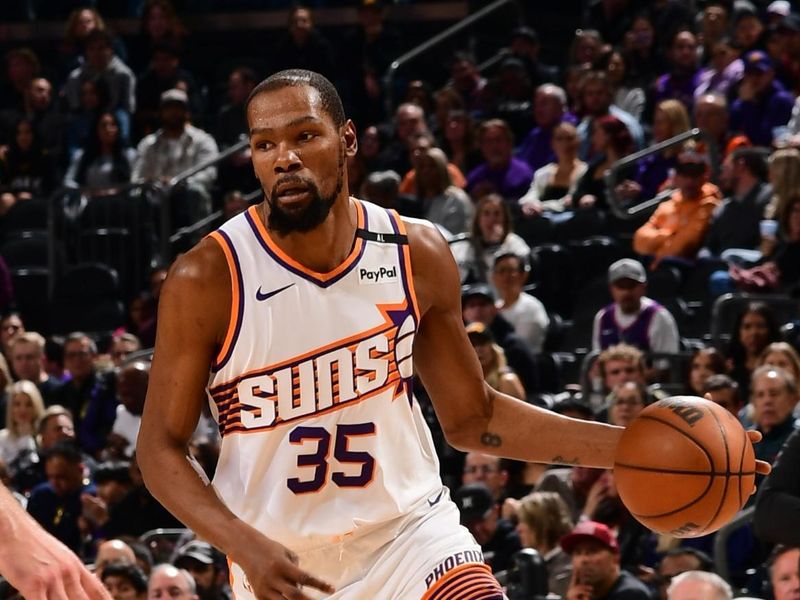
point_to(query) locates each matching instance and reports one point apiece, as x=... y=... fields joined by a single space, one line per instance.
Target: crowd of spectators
x=511 y=165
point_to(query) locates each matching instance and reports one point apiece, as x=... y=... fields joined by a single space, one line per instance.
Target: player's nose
x=287 y=159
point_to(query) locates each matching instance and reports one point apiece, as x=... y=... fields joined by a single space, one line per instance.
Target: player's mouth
x=292 y=192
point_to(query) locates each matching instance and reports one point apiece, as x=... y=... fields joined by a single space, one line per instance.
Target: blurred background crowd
x=619 y=183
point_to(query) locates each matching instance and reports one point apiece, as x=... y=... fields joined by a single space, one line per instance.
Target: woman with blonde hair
x=23 y=411
x=669 y=119
x=542 y=519
x=783 y=355
x=496 y=371
x=784 y=176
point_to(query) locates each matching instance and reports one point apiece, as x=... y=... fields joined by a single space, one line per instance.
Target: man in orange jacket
x=679 y=225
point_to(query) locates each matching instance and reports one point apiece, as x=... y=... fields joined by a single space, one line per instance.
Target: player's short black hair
x=331 y=102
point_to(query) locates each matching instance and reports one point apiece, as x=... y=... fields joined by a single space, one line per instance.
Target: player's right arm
x=193 y=315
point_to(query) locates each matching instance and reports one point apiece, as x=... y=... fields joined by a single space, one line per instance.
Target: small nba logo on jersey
x=379 y=275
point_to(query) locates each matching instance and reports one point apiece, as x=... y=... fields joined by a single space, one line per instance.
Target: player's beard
x=284 y=222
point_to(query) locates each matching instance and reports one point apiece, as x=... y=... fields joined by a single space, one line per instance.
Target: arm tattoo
x=491 y=439
x=560 y=460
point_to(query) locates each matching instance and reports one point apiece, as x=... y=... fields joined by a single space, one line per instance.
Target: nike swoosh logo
x=261 y=296
x=435 y=501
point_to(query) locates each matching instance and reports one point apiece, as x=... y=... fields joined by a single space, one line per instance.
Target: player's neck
x=327 y=246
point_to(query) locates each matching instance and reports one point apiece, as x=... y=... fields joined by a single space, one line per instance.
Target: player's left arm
x=474 y=417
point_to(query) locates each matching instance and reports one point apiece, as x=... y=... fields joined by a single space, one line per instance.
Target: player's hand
x=762 y=466
x=49 y=571
x=273 y=573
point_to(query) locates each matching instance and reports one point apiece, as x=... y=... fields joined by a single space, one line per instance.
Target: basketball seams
x=685 y=434
x=726 y=484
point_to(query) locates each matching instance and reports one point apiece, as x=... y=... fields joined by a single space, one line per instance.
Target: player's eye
x=306 y=136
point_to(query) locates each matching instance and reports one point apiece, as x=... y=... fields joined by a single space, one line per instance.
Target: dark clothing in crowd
x=777 y=516
x=503 y=545
x=59 y=515
x=734 y=224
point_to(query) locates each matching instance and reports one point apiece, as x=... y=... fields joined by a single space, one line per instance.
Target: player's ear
x=350 y=138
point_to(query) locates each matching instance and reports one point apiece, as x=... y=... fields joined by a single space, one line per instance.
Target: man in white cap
x=632 y=317
x=173 y=149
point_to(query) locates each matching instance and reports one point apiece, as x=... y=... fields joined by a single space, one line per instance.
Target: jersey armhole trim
x=237 y=300
x=405 y=262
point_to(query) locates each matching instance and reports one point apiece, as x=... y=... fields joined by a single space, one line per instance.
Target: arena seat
x=87 y=298
x=728 y=307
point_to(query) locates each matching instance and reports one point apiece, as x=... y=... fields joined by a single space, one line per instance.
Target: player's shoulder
x=424 y=236
x=201 y=268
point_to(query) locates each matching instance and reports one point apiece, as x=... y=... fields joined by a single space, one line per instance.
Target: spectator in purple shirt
x=500 y=172
x=725 y=69
x=684 y=76
x=549 y=109
x=763 y=103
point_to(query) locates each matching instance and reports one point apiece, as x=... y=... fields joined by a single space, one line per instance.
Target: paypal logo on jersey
x=379 y=275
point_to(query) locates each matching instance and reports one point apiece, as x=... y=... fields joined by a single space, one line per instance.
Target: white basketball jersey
x=321 y=436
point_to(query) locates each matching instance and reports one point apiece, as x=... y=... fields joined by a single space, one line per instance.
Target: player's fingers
x=72 y=586
x=302 y=578
x=93 y=587
x=56 y=591
x=755 y=436
x=763 y=467
x=293 y=592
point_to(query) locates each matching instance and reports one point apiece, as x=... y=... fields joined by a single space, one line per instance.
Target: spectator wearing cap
x=684 y=76
x=763 y=103
x=500 y=172
x=164 y=72
x=492 y=358
x=100 y=62
x=124 y=581
x=777 y=11
x=733 y=233
x=549 y=110
x=525 y=45
x=200 y=560
x=478 y=306
x=525 y=312
x=679 y=225
x=633 y=318
x=480 y=513
x=596 y=571
x=175 y=147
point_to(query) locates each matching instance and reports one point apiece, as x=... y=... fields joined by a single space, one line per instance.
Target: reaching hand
x=37 y=564
x=762 y=467
x=273 y=574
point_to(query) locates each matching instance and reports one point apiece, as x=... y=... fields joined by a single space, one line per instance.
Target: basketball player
x=37 y=564
x=297 y=320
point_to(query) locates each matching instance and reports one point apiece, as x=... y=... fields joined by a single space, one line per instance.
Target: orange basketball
x=684 y=466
